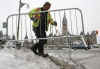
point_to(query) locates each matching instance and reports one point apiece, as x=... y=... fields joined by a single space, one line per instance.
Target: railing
x=70 y=19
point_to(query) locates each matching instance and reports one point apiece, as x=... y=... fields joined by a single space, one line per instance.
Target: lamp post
x=20 y=6
x=18 y=20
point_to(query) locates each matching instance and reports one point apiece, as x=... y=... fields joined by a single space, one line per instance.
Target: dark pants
x=39 y=47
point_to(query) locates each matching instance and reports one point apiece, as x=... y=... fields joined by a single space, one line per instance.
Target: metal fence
x=69 y=21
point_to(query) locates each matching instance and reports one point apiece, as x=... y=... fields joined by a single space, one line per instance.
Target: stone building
x=64 y=25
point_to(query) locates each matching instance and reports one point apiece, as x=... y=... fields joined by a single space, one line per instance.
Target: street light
x=20 y=6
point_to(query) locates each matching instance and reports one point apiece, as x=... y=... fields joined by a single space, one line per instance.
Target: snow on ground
x=11 y=58
x=66 y=54
x=87 y=58
x=19 y=59
x=92 y=62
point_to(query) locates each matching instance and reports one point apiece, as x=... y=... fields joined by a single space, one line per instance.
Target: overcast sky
x=90 y=8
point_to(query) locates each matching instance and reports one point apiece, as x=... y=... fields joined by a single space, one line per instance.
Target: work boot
x=43 y=55
x=34 y=50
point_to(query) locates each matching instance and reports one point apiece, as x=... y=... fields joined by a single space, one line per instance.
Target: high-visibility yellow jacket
x=37 y=16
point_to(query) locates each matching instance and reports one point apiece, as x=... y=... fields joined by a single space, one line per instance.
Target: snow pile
x=74 y=57
x=82 y=55
x=21 y=59
x=11 y=58
x=66 y=54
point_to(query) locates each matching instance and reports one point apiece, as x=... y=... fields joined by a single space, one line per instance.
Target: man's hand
x=55 y=23
x=34 y=19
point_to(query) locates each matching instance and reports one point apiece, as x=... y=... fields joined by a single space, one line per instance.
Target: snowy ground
x=21 y=59
x=85 y=59
x=11 y=58
x=94 y=61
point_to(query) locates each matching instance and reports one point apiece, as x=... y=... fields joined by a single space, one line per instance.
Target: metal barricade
x=69 y=24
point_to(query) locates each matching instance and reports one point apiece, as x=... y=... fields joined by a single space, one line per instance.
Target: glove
x=55 y=23
x=34 y=19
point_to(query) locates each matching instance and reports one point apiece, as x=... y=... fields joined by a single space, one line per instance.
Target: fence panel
x=69 y=21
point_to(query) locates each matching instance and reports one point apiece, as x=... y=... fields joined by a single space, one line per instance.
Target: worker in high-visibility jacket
x=41 y=19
